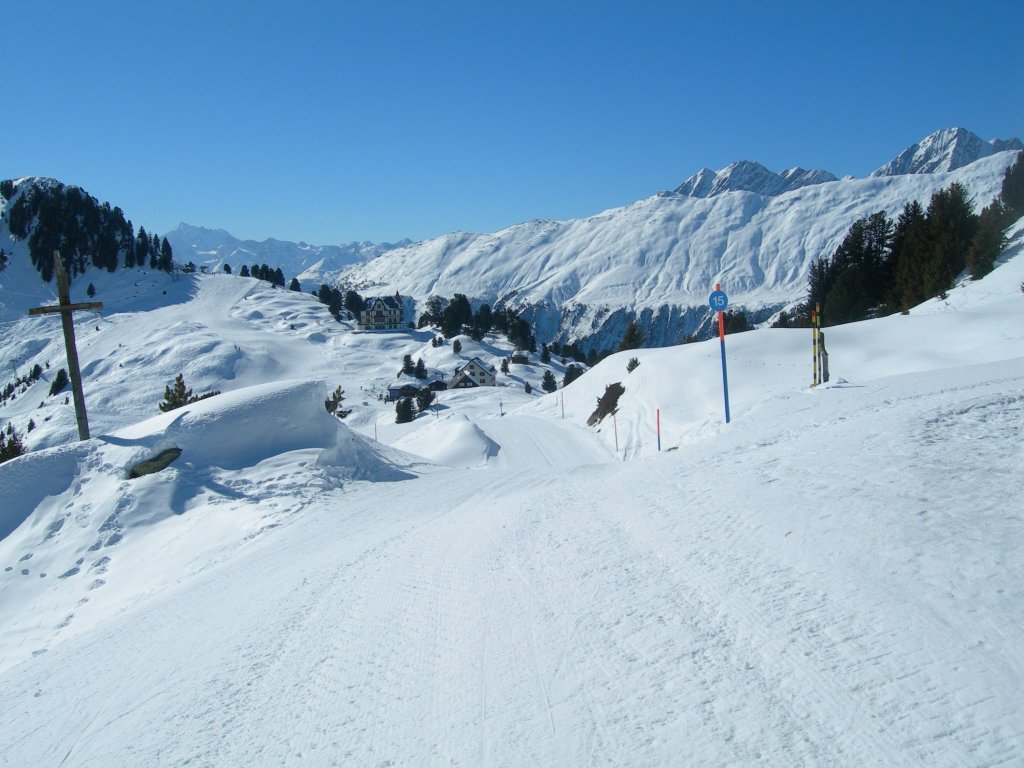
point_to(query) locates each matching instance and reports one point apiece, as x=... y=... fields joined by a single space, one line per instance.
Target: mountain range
x=311 y=264
x=654 y=261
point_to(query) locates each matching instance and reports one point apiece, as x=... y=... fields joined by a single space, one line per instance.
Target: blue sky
x=377 y=120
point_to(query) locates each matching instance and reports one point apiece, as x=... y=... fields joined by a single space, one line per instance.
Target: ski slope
x=833 y=578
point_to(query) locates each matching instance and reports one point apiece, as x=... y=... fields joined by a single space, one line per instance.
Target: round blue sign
x=718 y=301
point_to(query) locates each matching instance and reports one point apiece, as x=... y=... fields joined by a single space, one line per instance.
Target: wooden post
x=658 y=422
x=65 y=308
x=816 y=380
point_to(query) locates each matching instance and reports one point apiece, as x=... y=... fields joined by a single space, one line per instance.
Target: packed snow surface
x=835 y=577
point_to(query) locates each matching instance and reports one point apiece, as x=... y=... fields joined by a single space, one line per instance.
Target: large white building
x=382 y=313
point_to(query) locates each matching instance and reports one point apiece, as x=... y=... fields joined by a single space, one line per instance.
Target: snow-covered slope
x=311 y=264
x=754 y=231
x=658 y=258
x=833 y=578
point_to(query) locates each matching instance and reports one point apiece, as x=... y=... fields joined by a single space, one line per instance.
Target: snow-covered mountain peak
x=749 y=176
x=945 y=150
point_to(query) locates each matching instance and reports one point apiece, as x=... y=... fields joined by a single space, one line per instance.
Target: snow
x=835 y=577
x=579 y=278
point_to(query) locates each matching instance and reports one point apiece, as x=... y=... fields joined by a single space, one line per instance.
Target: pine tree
x=846 y=301
x=951 y=227
x=572 y=373
x=11 y=445
x=90 y=291
x=457 y=347
x=633 y=338
x=909 y=257
x=1012 y=193
x=244 y=272
x=504 y=365
x=484 y=317
x=142 y=245
x=403 y=411
x=294 y=285
x=434 y=312
x=632 y=365
x=408 y=367
x=420 y=372
x=451 y=322
x=988 y=242
x=819 y=282
x=353 y=302
x=735 y=322
x=548 y=383
x=527 y=388
x=876 y=266
x=177 y=396
x=423 y=399
x=519 y=333
x=60 y=381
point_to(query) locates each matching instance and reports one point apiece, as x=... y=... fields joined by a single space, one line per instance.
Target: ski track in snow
x=533 y=615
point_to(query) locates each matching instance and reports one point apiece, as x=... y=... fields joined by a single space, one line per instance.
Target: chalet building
x=402 y=389
x=382 y=313
x=475 y=373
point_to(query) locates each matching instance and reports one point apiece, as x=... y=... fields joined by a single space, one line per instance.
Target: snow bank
x=454 y=441
x=354 y=457
x=240 y=428
x=31 y=478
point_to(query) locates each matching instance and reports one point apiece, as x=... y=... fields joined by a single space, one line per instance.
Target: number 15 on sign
x=718 y=301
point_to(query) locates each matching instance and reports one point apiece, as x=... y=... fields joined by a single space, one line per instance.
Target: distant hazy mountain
x=311 y=264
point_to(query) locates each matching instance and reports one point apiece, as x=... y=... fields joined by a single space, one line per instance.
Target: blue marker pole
x=719 y=301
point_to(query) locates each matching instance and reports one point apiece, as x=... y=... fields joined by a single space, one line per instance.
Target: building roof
x=480 y=364
x=388 y=301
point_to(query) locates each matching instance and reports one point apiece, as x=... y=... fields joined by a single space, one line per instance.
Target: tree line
x=885 y=266
x=85 y=232
x=456 y=315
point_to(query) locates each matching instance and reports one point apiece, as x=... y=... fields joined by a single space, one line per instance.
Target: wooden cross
x=65 y=307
